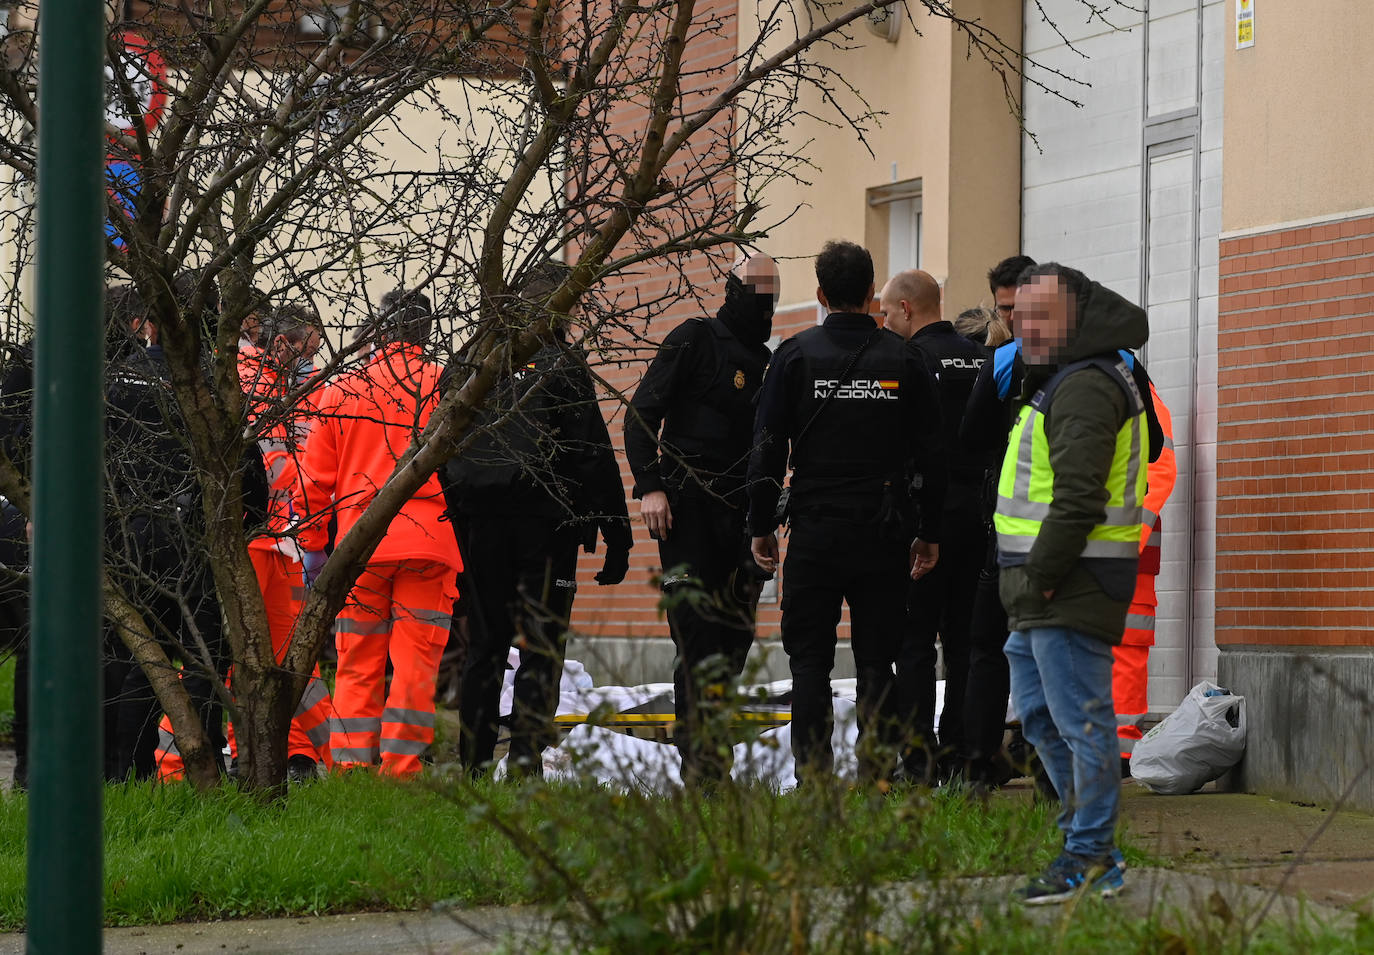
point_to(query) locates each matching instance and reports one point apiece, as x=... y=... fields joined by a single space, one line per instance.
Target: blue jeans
x=1061 y=687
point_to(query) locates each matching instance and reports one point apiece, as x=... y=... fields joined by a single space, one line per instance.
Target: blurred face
x=760 y=275
x=1006 y=303
x=144 y=330
x=288 y=353
x=896 y=311
x=252 y=324
x=1045 y=315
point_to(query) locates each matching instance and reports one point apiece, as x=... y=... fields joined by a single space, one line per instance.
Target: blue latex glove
x=313 y=562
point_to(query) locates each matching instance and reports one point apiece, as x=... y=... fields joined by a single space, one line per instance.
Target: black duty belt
x=854 y=513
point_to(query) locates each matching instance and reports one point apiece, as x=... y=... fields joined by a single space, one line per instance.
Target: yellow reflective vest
x=1026 y=486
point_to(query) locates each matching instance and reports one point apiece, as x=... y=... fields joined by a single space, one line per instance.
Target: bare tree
x=611 y=133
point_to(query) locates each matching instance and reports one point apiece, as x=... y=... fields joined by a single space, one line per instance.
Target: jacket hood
x=1106 y=323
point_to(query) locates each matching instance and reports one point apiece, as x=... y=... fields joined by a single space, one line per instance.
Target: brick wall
x=1295 y=439
x=277 y=37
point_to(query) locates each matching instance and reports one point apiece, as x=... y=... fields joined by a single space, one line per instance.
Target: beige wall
x=441 y=234
x=416 y=139
x=985 y=159
x=946 y=123
x=1297 y=138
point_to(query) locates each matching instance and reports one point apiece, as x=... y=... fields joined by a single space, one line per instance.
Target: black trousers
x=830 y=560
x=940 y=604
x=14 y=627
x=522 y=571
x=712 y=598
x=132 y=708
x=989 y=677
x=173 y=590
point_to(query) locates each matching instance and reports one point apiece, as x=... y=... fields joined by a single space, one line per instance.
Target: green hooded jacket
x=1085 y=414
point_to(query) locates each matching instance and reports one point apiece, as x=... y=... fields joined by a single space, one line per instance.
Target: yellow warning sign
x=1245 y=24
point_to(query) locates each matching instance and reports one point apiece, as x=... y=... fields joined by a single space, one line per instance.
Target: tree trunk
x=265 y=696
x=265 y=702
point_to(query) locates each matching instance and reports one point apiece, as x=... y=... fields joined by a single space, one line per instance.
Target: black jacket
x=954 y=363
x=881 y=429
x=151 y=486
x=16 y=408
x=540 y=447
x=690 y=423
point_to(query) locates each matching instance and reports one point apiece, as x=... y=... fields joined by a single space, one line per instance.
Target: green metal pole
x=65 y=885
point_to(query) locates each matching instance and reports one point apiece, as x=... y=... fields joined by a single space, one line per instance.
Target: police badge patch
x=739 y=379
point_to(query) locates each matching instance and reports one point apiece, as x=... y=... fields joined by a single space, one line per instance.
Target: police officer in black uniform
x=539 y=481
x=154 y=543
x=941 y=602
x=858 y=410
x=688 y=434
x=16 y=442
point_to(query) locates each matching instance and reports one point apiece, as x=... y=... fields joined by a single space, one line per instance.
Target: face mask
x=748 y=314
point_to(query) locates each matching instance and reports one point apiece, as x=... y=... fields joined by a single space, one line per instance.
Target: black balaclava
x=748 y=314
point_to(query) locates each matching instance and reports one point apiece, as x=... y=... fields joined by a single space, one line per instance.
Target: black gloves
x=616 y=534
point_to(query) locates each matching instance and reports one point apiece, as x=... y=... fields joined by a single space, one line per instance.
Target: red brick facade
x=1295 y=437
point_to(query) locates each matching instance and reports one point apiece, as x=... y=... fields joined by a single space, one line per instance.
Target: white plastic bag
x=1193 y=745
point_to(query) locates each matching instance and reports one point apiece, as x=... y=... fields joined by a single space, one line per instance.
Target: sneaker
x=1069 y=875
x=1113 y=877
x=301 y=769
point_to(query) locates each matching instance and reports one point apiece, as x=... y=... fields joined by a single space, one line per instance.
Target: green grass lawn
x=358 y=842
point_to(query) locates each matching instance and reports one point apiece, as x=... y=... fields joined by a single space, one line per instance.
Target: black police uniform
x=537 y=482
x=852 y=522
x=156 y=551
x=699 y=392
x=941 y=602
x=16 y=440
x=987 y=422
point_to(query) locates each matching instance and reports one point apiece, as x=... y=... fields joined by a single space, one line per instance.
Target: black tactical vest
x=711 y=421
x=516 y=445
x=858 y=442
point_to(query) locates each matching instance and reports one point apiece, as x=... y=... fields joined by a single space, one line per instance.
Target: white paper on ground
x=617 y=759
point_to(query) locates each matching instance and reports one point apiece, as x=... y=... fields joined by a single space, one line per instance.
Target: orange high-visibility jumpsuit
x=276 y=556
x=276 y=561
x=402 y=603
x=1131 y=663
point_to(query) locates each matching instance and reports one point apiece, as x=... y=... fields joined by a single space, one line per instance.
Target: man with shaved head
x=688 y=433
x=911 y=302
x=941 y=602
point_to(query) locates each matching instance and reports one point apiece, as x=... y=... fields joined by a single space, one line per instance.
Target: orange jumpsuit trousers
x=1131 y=663
x=401 y=610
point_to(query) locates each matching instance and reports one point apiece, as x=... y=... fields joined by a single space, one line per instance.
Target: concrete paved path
x=1324 y=855
x=403 y=933
x=1182 y=895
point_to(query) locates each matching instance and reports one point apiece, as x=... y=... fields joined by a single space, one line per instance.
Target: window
x=904 y=235
x=894 y=227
